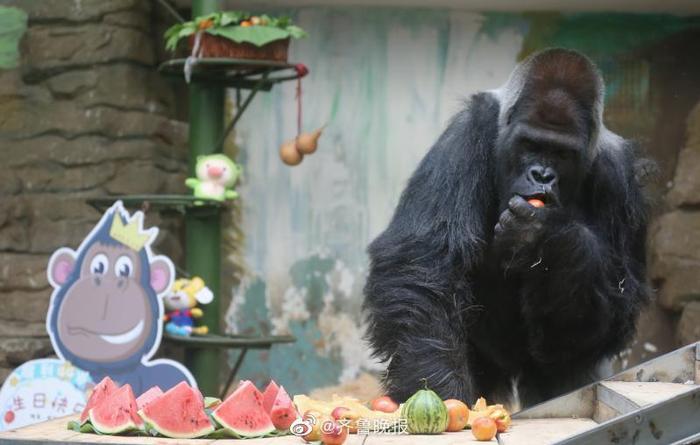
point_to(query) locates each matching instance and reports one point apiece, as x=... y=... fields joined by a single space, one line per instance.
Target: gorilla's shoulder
x=623 y=159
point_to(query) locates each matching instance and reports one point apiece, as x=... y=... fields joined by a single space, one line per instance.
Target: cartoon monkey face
x=106 y=314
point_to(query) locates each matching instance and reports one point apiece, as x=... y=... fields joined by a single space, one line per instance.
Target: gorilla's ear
x=443 y=214
x=555 y=88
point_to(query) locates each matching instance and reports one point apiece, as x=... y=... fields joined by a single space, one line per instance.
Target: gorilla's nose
x=97 y=280
x=542 y=176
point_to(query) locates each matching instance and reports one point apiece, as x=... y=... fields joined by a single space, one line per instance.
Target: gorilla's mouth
x=549 y=198
x=126 y=337
x=541 y=196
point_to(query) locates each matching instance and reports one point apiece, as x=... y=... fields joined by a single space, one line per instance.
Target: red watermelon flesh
x=269 y=395
x=243 y=412
x=149 y=396
x=179 y=413
x=283 y=412
x=117 y=413
x=103 y=390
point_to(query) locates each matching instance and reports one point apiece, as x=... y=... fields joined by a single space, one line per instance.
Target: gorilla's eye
x=99 y=264
x=124 y=267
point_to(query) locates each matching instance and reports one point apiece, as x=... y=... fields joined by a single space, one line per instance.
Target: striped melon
x=425 y=413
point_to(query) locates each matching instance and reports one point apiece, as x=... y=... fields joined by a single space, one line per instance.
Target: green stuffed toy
x=216 y=175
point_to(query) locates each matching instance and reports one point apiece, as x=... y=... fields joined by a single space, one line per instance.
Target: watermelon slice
x=283 y=412
x=179 y=413
x=103 y=390
x=149 y=396
x=243 y=413
x=116 y=413
x=269 y=395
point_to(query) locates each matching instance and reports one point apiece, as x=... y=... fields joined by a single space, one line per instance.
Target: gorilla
x=482 y=293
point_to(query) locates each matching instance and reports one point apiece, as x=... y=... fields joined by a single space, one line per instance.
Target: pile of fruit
x=182 y=412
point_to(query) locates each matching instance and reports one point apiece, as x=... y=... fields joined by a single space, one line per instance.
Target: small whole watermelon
x=425 y=413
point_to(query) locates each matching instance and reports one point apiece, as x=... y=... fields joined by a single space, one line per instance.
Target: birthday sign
x=41 y=390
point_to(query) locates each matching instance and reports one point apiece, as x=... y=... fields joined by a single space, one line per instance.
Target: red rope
x=302 y=71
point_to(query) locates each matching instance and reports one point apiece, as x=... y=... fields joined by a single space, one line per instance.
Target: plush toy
x=180 y=307
x=216 y=175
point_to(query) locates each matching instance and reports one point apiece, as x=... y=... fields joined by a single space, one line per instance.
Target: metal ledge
x=234 y=73
x=177 y=203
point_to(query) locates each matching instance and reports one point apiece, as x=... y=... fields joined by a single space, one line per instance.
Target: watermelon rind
x=150 y=413
x=235 y=405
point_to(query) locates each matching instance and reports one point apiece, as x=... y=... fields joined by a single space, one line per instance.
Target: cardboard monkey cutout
x=105 y=312
x=104 y=319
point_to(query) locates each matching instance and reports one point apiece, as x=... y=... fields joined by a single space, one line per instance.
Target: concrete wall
x=84 y=114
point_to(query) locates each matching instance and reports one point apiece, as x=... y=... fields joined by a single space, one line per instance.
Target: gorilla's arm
x=583 y=281
x=417 y=289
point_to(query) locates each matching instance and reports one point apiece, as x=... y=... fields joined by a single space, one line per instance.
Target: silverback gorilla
x=478 y=291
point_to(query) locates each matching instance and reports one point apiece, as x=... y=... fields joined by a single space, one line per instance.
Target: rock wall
x=675 y=266
x=85 y=114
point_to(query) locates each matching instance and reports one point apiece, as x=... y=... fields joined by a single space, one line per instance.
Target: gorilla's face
x=542 y=151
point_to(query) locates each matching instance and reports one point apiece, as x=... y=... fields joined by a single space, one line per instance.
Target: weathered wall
x=386 y=82
x=676 y=239
x=83 y=115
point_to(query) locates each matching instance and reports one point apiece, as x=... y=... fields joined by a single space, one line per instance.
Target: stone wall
x=675 y=266
x=85 y=114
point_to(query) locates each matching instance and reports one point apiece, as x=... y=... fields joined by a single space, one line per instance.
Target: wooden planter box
x=215 y=46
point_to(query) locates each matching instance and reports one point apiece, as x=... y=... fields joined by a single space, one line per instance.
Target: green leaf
x=296 y=32
x=231 y=17
x=176 y=32
x=257 y=35
x=13 y=23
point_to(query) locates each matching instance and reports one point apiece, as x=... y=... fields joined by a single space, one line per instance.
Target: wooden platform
x=523 y=432
x=655 y=403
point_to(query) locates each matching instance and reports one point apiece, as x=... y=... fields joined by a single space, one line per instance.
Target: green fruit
x=425 y=413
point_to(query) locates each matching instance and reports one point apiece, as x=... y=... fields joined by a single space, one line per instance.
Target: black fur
x=447 y=302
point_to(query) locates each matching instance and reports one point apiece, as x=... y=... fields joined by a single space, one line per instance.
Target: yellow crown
x=131 y=234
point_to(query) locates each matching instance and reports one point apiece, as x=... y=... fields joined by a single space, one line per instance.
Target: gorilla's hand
x=519 y=231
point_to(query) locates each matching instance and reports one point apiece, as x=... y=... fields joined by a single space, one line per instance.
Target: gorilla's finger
x=521 y=208
x=506 y=219
x=498 y=229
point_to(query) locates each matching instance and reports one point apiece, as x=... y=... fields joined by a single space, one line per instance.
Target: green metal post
x=203 y=233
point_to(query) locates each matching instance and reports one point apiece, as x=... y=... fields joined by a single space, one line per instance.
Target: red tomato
x=384 y=404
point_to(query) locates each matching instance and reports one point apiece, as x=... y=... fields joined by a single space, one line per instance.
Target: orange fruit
x=534 y=202
x=457 y=413
x=206 y=24
x=484 y=428
x=245 y=23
